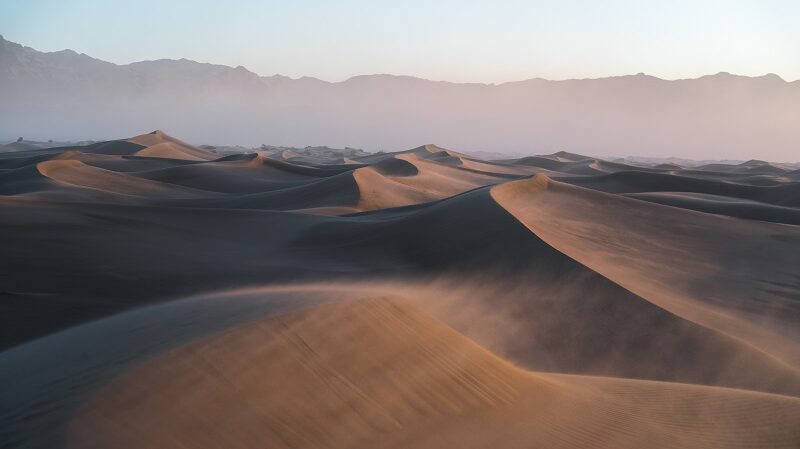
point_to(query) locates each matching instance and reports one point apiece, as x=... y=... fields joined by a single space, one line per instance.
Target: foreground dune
x=158 y=294
x=377 y=373
x=361 y=371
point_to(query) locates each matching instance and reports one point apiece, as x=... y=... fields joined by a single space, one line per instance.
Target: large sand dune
x=368 y=371
x=156 y=294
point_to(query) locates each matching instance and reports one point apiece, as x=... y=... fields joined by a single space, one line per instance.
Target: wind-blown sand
x=158 y=295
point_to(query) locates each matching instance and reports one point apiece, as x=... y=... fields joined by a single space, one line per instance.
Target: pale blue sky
x=446 y=40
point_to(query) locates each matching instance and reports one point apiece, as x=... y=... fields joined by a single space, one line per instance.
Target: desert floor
x=157 y=295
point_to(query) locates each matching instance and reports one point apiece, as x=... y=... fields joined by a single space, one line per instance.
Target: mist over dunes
x=720 y=116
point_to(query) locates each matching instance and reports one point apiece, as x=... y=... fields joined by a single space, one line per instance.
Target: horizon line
x=606 y=157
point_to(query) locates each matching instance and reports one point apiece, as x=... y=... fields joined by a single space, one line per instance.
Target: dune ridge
x=161 y=145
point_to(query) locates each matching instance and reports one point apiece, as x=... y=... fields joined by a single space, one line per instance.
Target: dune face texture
x=156 y=294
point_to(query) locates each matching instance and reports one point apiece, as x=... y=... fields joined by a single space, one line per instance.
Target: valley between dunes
x=159 y=295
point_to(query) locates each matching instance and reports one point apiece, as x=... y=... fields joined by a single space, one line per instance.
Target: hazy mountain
x=66 y=95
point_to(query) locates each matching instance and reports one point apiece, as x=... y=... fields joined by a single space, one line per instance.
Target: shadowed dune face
x=422 y=298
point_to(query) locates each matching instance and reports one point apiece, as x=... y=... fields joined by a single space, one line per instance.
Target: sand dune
x=157 y=294
x=76 y=173
x=390 y=377
x=673 y=257
x=358 y=372
x=159 y=144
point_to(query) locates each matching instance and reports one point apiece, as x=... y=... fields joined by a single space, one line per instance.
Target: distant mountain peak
x=730 y=76
x=772 y=77
x=66 y=51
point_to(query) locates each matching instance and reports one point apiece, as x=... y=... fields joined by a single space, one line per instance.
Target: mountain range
x=71 y=96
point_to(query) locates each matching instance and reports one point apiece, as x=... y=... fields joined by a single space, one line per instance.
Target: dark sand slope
x=252 y=173
x=371 y=371
x=638 y=181
x=723 y=205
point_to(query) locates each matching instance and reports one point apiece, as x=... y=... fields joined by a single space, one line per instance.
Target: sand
x=156 y=294
x=334 y=367
x=683 y=261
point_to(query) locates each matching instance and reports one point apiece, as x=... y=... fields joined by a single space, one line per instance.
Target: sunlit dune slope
x=735 y=276
x=378 y=373
x=329 y=368
x=76 y=173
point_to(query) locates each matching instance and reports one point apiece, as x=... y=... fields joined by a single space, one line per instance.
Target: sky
x=461 y=41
